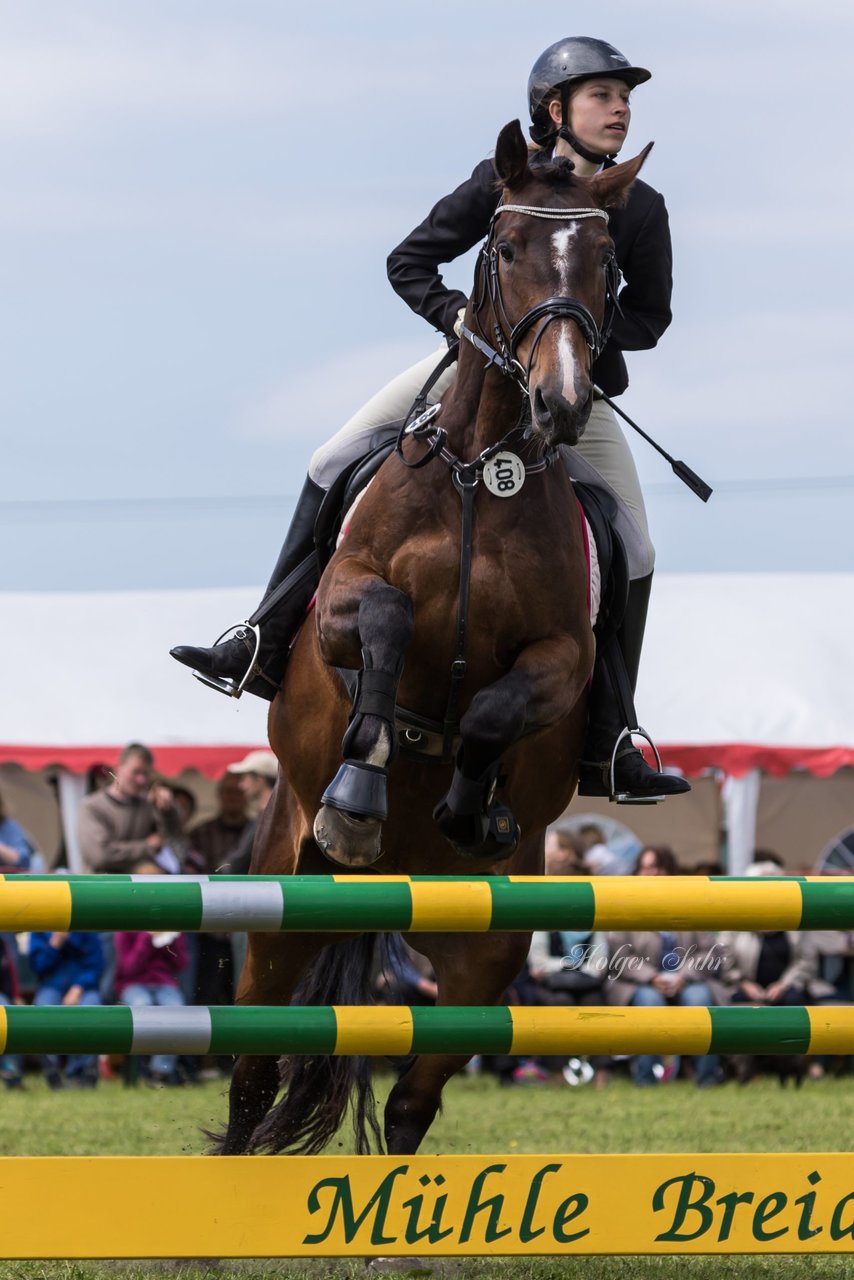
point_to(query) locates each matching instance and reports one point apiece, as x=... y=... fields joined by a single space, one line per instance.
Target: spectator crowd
x=133 y=823
x=648 y=969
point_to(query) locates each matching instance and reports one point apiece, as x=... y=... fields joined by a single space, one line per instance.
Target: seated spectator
x=565 y=849
x=217 y=839
x=16 y=847
x=147 y=968
x=10 y=1067
x=598 y=859
x=771 y=967
x=67 y=967
x=836 y=960
x=650 y=970
x=566 y=967
x=656 y=860
x=177 y=856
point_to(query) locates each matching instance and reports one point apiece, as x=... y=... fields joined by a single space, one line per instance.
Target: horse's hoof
x=488 y=837
x=488 y=851
x=349 y=841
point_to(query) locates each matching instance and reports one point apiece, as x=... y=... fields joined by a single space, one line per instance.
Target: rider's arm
x=645 y=255
x=451 y=228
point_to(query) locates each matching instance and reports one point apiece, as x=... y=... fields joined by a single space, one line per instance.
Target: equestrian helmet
x=572 y=60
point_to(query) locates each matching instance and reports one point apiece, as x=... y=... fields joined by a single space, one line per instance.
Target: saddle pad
x=594 y=573
x=591 y=553
x=348 y=515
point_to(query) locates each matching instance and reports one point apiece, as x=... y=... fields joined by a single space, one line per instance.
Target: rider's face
x=599 y=114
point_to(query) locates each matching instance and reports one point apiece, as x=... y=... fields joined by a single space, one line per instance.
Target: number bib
x=504 y=475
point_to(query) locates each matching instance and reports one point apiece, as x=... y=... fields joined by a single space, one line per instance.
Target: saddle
x=417 y=735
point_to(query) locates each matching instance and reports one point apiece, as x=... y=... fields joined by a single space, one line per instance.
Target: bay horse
x=394 y=605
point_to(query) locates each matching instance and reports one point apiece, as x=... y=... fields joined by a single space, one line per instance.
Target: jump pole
x=392 y=1030
x=366 y=903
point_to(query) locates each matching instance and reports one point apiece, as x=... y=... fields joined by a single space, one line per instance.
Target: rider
x=578 y=94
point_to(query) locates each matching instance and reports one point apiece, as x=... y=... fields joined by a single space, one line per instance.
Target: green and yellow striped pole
x=455 y=904
x=400 y=1030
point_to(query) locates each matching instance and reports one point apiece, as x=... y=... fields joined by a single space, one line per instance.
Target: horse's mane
x=554 y=171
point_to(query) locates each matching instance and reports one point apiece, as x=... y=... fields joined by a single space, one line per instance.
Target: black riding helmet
x=564 y=65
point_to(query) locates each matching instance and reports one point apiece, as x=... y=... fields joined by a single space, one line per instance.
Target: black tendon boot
x=254 y=658
x=612 y=714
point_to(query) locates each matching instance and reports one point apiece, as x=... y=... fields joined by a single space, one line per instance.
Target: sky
x=198 y=200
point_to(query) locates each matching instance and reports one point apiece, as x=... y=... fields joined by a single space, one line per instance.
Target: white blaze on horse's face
x=561 y=241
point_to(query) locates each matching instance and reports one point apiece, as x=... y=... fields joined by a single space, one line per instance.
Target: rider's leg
x=604 y=451
x=229 y=666
x=234 y=662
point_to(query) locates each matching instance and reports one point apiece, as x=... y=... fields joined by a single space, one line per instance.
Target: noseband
x=507 y=336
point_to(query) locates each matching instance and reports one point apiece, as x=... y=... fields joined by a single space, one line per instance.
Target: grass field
x=478 y=1117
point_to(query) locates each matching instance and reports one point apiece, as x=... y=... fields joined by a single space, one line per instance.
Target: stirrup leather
x=225 y=684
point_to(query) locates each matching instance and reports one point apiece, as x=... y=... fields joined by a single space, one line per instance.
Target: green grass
x=478 y=1117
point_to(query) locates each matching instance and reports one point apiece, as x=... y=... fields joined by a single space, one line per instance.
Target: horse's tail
x=319 y=1090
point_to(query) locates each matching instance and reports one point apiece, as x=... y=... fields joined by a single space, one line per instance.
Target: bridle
x=506 y=335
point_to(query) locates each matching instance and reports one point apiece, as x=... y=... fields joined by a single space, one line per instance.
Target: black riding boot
x=254 y=658
x=612 y=713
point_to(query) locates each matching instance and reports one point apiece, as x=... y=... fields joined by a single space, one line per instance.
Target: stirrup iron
x=625 y=797
x=224 y=684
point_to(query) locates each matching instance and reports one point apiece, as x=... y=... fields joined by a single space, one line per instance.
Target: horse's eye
x=506 y=252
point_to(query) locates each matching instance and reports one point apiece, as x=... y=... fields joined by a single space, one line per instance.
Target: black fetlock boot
x=254 y=658
x=612 y=765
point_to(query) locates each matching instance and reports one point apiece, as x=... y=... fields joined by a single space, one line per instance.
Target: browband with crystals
x=535 y=211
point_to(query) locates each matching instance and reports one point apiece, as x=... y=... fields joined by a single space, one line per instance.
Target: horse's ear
x=511 y=155
x=611 y=187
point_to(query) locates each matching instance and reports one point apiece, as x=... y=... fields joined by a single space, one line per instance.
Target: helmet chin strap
x=595 y=157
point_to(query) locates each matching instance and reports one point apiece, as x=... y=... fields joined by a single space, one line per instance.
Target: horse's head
x=547 y=266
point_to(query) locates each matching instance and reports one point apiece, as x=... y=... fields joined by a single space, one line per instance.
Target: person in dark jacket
x=579 y=101
x=68 y=967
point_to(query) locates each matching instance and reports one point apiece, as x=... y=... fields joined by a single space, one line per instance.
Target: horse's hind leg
x=362 y=615
x=415 y=1099
x=254 y=1085
x=544 y=686
x=272 y=971
x=469 y=971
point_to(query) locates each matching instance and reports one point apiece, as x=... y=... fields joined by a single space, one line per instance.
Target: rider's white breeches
x=601 y=457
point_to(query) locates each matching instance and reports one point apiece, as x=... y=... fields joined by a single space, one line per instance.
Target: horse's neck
x=481 y=408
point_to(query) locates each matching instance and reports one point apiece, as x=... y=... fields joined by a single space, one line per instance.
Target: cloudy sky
x=198 y=199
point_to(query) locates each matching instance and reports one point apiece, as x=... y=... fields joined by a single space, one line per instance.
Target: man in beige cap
x=257 y=772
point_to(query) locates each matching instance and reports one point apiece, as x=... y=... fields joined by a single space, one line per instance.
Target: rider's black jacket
x=641 y=235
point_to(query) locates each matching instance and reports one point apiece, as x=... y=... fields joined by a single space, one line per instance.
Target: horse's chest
x=517 y=588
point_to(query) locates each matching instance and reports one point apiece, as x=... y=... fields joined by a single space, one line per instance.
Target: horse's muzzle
x=558 y=420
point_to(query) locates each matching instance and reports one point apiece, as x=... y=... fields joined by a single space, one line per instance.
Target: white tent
x=744 y=673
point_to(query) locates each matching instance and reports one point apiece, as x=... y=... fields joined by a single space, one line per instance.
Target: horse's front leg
x=543 y=686
x=362 y=622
